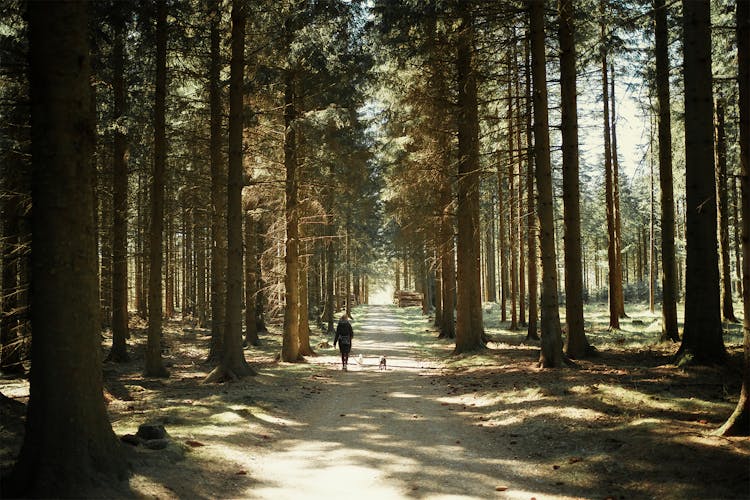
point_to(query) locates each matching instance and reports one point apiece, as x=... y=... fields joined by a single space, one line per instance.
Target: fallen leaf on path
x=194 y=444
x=555 y=467
x=241 y=473
x=501 y=488
x=573 y=460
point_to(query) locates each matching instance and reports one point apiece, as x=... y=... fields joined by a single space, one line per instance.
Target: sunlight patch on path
x=381 y=434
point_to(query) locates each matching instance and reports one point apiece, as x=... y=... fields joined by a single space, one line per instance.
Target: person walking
x=344 y=334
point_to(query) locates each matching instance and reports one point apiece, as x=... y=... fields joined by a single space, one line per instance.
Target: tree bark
x=502 y=240
x=722 y=212
x=11 y=214
x=532 y=221
x=290 y=341
x=447 y=259
x=119 y=352
x=251 y=280
x=469 y=324
x=233 y=364
x=577 y=345
x=154 y=364
x=69 y=448
x=739 y=422
x=669 y=285
x=702 y=341
x=616 y=200
x=200 y=264
x=513 y=215
x=737 y=240
x=551 y=355
x=614 y=310
x=218 y=193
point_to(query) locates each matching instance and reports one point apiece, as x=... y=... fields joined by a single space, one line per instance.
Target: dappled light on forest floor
x=624 y=424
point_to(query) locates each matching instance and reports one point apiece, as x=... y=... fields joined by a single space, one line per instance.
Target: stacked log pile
x=405 y=298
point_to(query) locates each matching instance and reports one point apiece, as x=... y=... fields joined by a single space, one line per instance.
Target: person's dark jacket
x=344 y=333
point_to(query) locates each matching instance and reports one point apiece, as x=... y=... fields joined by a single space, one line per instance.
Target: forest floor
x=624 y=424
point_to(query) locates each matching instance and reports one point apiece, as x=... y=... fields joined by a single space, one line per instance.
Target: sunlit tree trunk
x=702 y=341
x=502 y=240
x=447 y=260
x=616 y=200
x=512 y=214
x=577 y=344
x=251 y=279
x=669 y=285
x=551 y=355
x=532 y=221
x=290 y=340
x=469 y=325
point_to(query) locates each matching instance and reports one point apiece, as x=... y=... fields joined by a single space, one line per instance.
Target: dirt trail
x=381 y=434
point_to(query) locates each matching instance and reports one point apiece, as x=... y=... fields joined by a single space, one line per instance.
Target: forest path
x=383 y=434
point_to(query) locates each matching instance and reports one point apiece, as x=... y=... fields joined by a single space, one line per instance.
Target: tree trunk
x=348 y=268
x=651 y=232
x=330 y=280
x=140 y=258
x=260 y=298
x=251 y=280
x=722 y=211
x=614 y=310
x=119 y=352
x=490 y=257
x=702 y=341
x=69 y=448
x=304 y=297
x=513 y=215
x=739 y=422
x=200 y=264
x=290 y=342
x=551 y=355
x=437 y=322
x=233 y=364
x=520 y=182
x=11 y=344
x=469 y=324
x=168 y=256
x=502 y=240
x=669 y=285
x=447 y=259
x=532 y=220
x=577 y=345
x=218 y=193
x=616 y=206
x=737 y=242
x=154 y=363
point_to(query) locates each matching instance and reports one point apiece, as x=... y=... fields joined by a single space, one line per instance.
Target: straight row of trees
x=491 y=163
x=183 y=149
